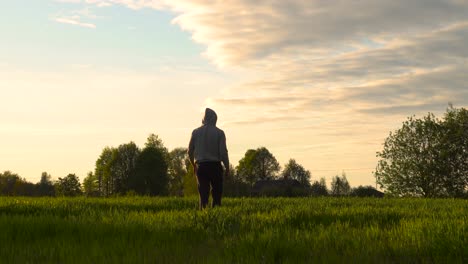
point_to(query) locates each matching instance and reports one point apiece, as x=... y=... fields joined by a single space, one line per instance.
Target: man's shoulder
x=215 y=128
x=197 y=130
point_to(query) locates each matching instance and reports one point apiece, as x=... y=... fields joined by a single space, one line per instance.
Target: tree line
x=156 y=171
x=11 y=184
x=427 y=157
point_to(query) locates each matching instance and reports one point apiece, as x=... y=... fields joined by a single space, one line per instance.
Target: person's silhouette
x=207 y=149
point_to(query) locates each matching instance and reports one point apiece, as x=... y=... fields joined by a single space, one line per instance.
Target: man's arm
x=190 y=152
x=224 y=152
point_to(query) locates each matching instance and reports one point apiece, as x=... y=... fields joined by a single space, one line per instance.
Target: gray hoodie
x=208 y=143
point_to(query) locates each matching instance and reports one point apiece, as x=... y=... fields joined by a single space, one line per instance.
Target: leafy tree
x=454 y=152
x=45 y=187
x=123 y=167
x=11 y=184
x=340 y=185
x=178 y=168
x=426 y=157
x=128 y=169
x=294 y=171
x=116 y=168
x=319 y=188
x=151 y=170
x=103 y=171
x=245 y=169
x=409 y=162
x=258 y=164
x=8 y=181
x=153 y=141
x=91 y=185
x=68 y=186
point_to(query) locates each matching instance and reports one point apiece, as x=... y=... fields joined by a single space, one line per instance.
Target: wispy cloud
x=77 y=17
x=74 y=22
x=133 y=4
x=319 y=58
x=98 y=3
x=367 y=54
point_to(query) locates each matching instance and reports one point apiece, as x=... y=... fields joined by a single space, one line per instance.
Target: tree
x=116 y=169
x=153 y=141
x=408 y=164
x=151 y=170
x=258 y=164
x=245 y=169
x=8 y=181
x=103 y=171
x=123 y=167
x=454 y=148
x=319 y=188
x=11 y=184
x=91 y=185
x=45 y=187
x=178 y=167
x=426 y=157
x=340 y=185
x=294 y=171
x=68 y=186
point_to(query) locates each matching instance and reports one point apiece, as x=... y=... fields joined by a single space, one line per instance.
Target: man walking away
x=207 y=149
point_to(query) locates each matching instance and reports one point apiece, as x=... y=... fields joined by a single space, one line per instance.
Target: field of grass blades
x=243 y=230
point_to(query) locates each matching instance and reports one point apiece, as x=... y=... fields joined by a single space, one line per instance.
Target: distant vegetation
x=156 y=171
x=427 y=157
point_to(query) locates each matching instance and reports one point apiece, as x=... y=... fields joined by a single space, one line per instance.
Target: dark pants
x=210 y=174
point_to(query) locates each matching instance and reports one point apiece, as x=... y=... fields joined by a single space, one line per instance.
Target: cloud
x=239 y=32
x=313 y=56
x=98 y=3
x=104 y=4
x=422 y=70
x=74 y=22
x=75 y=17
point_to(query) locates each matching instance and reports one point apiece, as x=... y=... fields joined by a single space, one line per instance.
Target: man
x=207 y=149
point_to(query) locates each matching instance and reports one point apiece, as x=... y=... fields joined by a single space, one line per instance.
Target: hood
x=210 y=117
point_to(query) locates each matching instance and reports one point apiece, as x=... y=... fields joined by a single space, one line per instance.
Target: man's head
x=210 y=117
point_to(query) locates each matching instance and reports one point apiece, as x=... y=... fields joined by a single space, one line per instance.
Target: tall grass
x=280 y=230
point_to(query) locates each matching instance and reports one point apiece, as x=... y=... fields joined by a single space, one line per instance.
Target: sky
x=320 y=81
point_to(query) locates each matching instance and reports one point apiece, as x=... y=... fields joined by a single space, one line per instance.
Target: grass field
x=282 y=230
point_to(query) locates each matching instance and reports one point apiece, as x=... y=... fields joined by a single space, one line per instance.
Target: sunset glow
x=323 y=82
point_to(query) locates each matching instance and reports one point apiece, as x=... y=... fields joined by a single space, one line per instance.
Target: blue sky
x=139 y=39
x=309 y=80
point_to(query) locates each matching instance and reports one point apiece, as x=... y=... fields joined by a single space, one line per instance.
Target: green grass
x=281 y=230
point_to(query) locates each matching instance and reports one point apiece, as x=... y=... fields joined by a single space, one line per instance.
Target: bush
x=366 y=191
x=280 y=188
